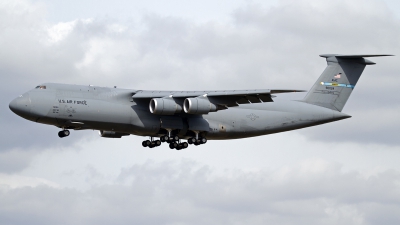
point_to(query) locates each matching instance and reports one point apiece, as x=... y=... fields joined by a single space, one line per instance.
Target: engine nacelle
x=164 y=106
x=198 y=106
x=111 y=134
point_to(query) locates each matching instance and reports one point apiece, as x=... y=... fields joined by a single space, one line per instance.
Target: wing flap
x=266 y=98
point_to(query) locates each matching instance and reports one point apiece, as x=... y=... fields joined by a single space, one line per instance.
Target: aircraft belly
x=262 y=119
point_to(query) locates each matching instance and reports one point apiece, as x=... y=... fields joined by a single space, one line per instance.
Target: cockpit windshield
x=40 y=87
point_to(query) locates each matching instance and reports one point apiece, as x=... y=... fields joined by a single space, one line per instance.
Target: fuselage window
x=40 y=87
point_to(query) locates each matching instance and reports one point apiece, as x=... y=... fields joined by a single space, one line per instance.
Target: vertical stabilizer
x=334 y=86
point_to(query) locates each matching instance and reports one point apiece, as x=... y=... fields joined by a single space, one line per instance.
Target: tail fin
x=334 y=86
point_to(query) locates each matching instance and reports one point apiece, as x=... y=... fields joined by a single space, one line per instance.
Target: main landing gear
x=63 y=133
x=196 y=142
x=151 y=143
x=174 y=142
x=178 y=146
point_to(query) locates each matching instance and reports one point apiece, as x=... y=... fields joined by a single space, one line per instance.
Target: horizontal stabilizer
x=351 y=56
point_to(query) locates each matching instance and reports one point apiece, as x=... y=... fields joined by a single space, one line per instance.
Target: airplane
x=195 y=116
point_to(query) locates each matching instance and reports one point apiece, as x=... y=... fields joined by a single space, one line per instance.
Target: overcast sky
x=347 y=172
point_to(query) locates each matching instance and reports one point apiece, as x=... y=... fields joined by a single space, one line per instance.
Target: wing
x=226 y=98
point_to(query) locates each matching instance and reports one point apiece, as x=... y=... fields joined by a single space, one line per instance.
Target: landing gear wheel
x=61 y=134
x=158 y=143
x=148 y=143
x=190 y=141
x=144 y=144
x=171 y=146
x=185 y=144
x=164 y=138
x=66 y=133
x=175 y=138
x=203 y=140
x=152 y=144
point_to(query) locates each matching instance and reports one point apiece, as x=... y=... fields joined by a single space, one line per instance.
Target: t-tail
x=338 y=80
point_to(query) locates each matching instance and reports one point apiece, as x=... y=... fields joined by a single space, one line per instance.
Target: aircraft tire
x=153 y=144
x=190 y=141
x=144 y=144
x=61 y=134
x=185 y=144
x=203 y=140
x=176 y=138
x=171 y=146
x=158 y=143
x=148 y=143
x=66 y=133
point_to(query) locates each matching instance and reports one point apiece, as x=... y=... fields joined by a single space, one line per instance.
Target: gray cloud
x=312 y=192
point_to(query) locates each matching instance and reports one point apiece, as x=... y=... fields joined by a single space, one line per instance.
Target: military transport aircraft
x=196 y=116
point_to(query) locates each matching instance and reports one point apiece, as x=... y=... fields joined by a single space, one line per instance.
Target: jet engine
x=164 y=106
x=198 y=106
x=111 y=134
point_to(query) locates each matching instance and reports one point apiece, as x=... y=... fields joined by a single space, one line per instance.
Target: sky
x=345 y=172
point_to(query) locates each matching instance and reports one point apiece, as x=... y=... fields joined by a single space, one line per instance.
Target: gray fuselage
x=113 y=109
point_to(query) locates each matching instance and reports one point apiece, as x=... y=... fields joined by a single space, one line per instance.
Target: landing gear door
x=198 y=124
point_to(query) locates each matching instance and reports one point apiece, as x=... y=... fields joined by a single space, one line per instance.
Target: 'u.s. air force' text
x=72 y=102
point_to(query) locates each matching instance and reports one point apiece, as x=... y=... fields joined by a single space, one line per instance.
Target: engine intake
x=164 y=106
x=111 y=134
x=198 y=106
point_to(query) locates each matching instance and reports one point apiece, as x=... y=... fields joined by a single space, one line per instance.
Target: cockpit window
x=40 y=87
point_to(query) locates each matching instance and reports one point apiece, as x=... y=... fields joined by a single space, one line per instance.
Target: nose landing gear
x=63 y=133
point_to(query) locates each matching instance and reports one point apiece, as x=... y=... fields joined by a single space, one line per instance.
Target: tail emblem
x=337 y=85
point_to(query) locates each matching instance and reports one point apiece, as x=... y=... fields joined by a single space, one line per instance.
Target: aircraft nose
x=21 y=105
